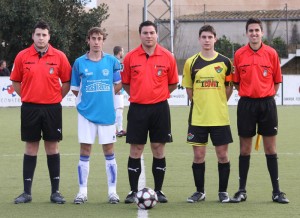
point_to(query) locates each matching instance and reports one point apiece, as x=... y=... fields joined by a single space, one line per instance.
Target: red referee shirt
x=149 y=77
x=40 y=77
x=256 y=72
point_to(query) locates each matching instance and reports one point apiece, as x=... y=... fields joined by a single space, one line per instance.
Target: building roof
x=241 y=15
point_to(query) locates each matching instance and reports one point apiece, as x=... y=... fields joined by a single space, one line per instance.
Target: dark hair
x=117 y=49
x=97 y=30
x=41 y=25
x=253 y=20
x=147 y=23
x=207 y=28
x=1 y=62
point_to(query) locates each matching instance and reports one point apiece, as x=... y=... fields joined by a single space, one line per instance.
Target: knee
x=85 y=149
x=136 y=151
x=223 y=158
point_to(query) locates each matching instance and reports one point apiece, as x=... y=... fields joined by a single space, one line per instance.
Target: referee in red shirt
x=149 y=76
x=257 y=78
x=41 y=77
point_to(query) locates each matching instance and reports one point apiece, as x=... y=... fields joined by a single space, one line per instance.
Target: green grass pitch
x=178 y=184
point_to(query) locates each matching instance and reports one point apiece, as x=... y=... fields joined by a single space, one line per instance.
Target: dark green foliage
x=279 y=45
x=226 y=47
x=68 y=19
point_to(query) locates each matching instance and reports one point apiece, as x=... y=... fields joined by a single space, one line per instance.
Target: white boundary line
x=142 y=184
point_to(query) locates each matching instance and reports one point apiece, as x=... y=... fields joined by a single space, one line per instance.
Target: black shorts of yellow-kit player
x=219 y=135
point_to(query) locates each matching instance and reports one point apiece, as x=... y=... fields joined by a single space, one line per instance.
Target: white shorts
x=87 y=132
x=119 y=101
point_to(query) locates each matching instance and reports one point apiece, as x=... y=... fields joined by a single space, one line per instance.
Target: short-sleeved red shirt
x=149 y=77
x=256 y=72
x=41 y=78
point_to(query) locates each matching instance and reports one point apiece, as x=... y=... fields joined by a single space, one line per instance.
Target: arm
x=189 y=92
x=172 y=87
x=118 y=87
x=75 y=92
x=17 y=87
x=236 y=86
x=228 y=91
x=126 y=87
x=65 y=88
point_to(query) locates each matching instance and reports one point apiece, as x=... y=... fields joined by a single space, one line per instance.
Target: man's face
x=41 y=38
x=3 y=65
x=148 y=36
x=254 y=34
x=96 y=42
x=207 y=41
x=121 y=53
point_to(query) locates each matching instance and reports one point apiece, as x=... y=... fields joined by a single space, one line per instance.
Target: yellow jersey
x=208 y=78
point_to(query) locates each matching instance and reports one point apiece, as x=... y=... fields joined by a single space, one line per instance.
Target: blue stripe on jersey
x=95 y=81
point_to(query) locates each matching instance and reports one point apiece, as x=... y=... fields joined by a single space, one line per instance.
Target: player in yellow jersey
x=207 y=77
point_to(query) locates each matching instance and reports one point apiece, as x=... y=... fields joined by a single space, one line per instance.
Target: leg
x=224 y=171
x=134 y=165
x=134 y=170
x=159 y=169
x=223 y=166
x=119 y=119
x=83 y=172
x=244 y=160
x=198 y=173
x=199 y=167
x=53 y=161
x=244 y=164
x=158 y=165
x=272 y=164
x=29 y=164
x=111 y=172
x=84 y=167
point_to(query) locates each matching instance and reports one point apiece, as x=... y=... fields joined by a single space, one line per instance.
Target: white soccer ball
x=146 y=198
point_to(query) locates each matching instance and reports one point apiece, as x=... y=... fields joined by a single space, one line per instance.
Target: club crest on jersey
x=105 y=72
x=190 y=136
x=159 y=72
x=265 y=73
x=218 y=69
x=51 y=71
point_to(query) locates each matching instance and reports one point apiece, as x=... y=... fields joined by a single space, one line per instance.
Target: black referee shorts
x=41 y=121
x=148 y=118
x=260 y=112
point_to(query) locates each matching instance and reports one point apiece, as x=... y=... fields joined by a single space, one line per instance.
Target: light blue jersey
x=94 y=81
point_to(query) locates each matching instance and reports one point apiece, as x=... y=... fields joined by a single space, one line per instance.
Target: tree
x=225 y=47
x=295 y=38
x=279 y=45
x=68 y=19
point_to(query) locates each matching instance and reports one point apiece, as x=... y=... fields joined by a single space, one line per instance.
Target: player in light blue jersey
x=95 y=80
x=119 y=97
